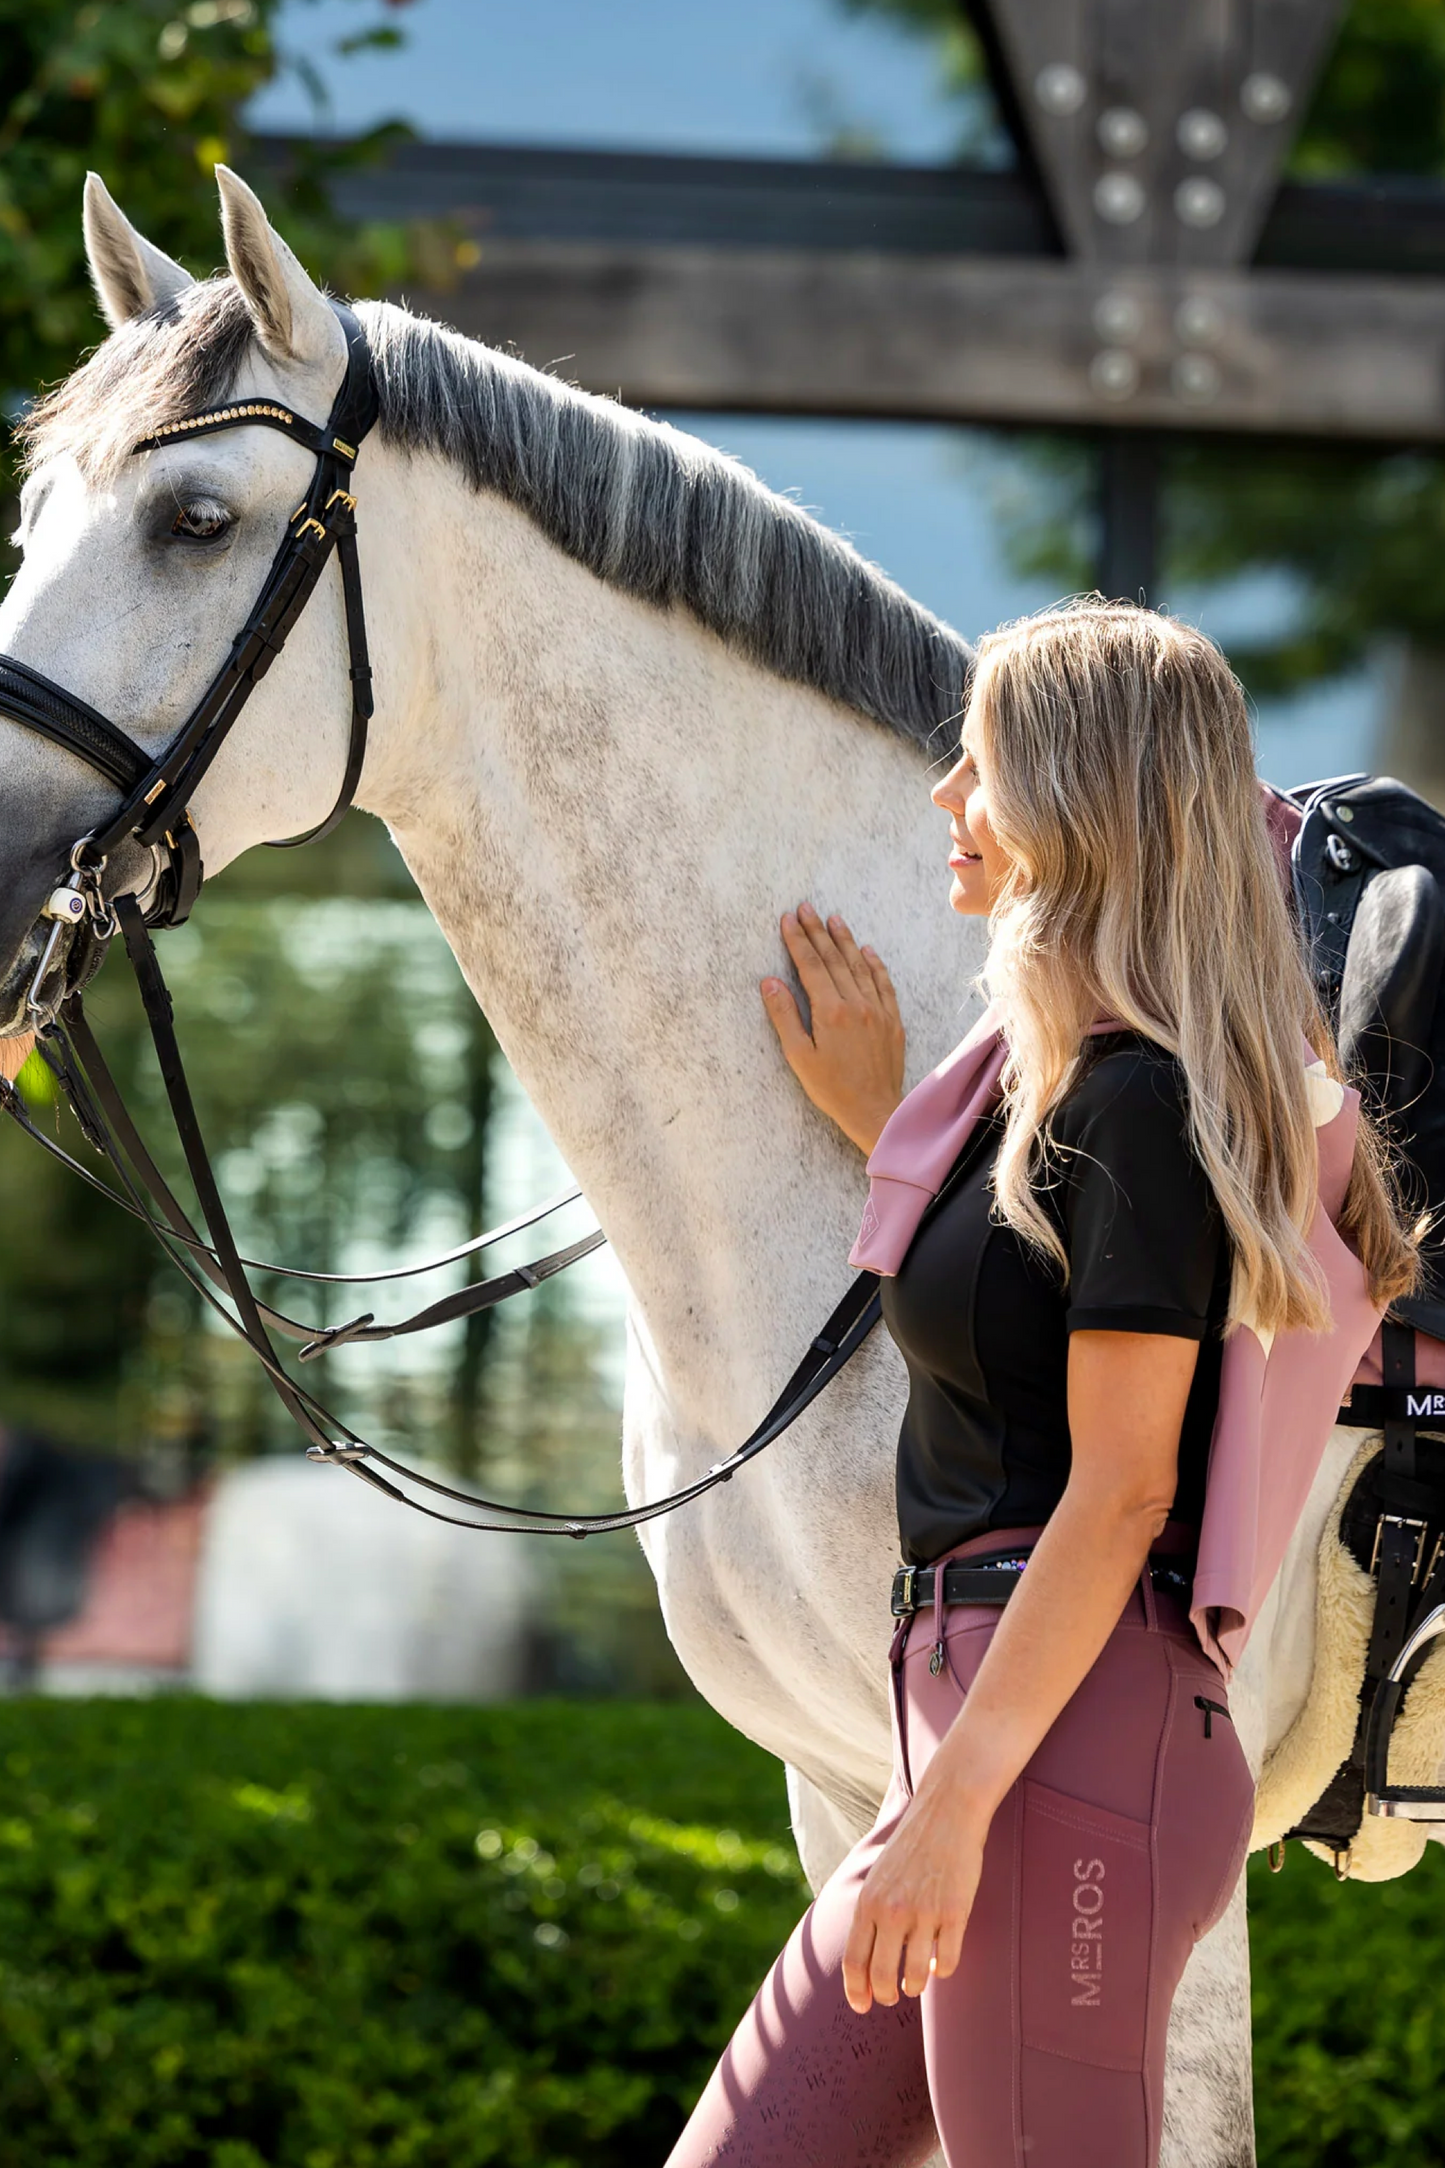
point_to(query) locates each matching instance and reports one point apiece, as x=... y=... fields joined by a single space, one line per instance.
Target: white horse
x=630 y=705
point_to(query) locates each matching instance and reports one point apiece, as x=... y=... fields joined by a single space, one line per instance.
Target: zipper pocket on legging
x=1211 y=1710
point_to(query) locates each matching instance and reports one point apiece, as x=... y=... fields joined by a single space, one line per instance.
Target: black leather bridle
x=156 y=793
x=154 y=811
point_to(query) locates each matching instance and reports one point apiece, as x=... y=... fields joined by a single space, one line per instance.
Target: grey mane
x=664 y=517
x=651 y=511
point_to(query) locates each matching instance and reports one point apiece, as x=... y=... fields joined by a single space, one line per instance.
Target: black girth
x=155 y=798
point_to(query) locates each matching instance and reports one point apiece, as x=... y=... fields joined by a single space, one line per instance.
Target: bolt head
x=1198 y=321
x=1195 y=379
x=1113 y=374
x=1118 y=318
x=1122 y=132
x=1200 y=133
x=1118 y=198
x=1264 y=98
x=1060 y=89
x=1199 y=202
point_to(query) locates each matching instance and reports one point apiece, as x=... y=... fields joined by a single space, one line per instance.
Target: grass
x=312 y=1937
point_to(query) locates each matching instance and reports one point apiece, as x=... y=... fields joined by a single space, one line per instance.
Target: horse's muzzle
x=76 y=957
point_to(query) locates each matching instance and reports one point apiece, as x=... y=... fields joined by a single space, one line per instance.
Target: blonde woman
x=1134 y=1240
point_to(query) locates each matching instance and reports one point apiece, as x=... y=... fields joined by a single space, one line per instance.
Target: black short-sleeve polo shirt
x=983 y=1319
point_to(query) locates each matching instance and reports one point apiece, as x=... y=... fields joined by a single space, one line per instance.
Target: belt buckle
x=1401 y=1520
x=903 y=1605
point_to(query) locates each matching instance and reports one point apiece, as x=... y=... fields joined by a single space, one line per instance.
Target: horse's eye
x=201 y=521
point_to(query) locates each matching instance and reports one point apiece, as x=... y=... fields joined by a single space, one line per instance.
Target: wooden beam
x=1160 y=130
x=502 y=192
x=968 y=339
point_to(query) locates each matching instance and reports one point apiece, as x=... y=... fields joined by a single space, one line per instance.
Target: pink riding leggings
x=1118 y=1847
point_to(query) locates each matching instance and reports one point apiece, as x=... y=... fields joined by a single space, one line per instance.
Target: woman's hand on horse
x=851 y=1063
x=914 y=1905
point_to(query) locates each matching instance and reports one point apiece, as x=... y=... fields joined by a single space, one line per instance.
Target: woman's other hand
x=913 y=1908
x=851 y=1063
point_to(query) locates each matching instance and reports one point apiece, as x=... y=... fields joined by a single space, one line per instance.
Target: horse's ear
x=128 y=274
x=293 y=322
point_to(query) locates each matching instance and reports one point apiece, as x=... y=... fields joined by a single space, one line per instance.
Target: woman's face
x=977 y=860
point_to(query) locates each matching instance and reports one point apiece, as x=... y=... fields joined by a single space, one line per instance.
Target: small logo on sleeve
x=1086 y=1946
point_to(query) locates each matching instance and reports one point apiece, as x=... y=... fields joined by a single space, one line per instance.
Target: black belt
x=993 y=1581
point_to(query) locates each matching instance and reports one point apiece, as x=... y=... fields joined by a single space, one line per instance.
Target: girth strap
x=1406 y=1506
x=1398 y=1539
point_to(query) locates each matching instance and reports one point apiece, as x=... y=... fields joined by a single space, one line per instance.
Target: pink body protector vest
x=1279 y=1393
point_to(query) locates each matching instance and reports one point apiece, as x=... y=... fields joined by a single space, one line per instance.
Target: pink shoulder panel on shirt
x=920 y=1142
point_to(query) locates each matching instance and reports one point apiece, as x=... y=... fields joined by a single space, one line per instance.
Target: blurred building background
x=359 y=1105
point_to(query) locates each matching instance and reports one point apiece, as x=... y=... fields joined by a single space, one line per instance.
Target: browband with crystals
x=320 y=441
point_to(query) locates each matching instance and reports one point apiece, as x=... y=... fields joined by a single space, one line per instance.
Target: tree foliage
x=1379 y=106
x=1358 y=530
x=151 y=94
x=945 y=25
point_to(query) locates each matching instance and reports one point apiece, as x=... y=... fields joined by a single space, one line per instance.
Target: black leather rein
x=154 y=811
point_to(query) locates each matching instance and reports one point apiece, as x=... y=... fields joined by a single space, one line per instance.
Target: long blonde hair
x=1115 y=747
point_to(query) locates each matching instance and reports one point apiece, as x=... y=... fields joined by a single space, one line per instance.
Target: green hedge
x=311 y=1937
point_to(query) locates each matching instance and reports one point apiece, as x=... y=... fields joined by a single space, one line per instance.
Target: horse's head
x=139 y=569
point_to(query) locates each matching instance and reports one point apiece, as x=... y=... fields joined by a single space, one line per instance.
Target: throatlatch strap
x=343 y=524
x=324 y=520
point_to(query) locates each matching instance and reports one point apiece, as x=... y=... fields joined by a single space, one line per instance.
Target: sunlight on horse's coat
x=630 y=706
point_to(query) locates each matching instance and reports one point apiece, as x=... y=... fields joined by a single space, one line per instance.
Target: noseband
x=154 y=811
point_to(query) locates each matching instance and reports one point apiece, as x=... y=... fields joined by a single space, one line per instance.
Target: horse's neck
x=607 y=809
